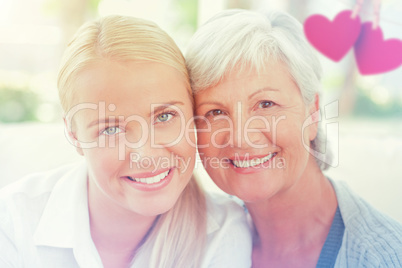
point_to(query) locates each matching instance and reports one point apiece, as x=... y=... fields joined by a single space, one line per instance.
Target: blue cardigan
x=371 y=239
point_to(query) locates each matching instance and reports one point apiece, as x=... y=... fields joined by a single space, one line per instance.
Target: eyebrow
x=249 y=97
x=117 y=118
x=262 y=90
x=208 y=102
x=165 y=105
x=103 y=120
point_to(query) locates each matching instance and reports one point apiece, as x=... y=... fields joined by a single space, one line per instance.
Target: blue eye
x=111 y=131
x=265 y=104
x=164 y=117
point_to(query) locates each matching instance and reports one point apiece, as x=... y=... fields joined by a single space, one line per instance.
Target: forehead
x=111 y=88
x=243 y=80
x=128 y=83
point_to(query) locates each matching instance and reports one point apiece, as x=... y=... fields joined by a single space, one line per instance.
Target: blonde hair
x=179 y=235
x=119 y=38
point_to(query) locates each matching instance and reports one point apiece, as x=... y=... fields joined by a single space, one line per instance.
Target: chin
x=252 y=197
x=158 y=207
x=255 y=193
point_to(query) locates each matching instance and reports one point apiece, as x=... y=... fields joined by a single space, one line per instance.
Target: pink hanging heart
x=375 y=55
x=333 y=39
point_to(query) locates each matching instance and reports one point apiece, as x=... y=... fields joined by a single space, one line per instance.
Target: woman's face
x=253 y=132
x=133 y=124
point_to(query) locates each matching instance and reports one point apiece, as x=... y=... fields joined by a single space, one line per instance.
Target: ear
x=71 y=136
x=314 y=114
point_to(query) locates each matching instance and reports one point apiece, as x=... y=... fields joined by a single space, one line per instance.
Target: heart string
x=376 y=10
x=357 y=9
x=376 y=21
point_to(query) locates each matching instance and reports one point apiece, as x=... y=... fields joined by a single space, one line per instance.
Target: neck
x=116 y=231
x=299 y=217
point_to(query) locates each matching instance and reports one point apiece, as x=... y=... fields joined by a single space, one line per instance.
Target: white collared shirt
x=44 y=223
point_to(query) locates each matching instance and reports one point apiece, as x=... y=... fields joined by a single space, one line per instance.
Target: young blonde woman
x=133 y=202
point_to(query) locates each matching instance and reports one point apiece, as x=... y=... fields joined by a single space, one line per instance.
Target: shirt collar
x=67 y=208
x=65 y=219
x=212 y=225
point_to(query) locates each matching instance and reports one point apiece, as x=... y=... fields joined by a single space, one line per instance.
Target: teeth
x=151 y=180
x=252 y=163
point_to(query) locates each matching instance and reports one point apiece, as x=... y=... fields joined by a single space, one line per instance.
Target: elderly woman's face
x=254 y=133
x=132 y=126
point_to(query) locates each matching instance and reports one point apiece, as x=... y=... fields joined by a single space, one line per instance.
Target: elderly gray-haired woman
x=256 y=82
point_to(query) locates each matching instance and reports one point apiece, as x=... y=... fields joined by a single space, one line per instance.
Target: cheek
x=174 y=132
x=185 y=150
x=292 y=141
x=101 y=161
x=190 y=134
x=186 y=144
x=216 y=137
x=185 y=158
x=203 y=139
x=206 y=148
x=167 y=135
x=289 y=131
x=99 y=168
x=86 y=138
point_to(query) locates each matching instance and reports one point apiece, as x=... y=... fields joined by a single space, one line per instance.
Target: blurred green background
x=33 y=34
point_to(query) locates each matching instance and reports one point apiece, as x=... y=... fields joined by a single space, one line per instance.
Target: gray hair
x=241 y=38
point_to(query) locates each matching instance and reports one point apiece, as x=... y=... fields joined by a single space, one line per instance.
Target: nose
x=145 y=156
x=134 y=151
x=248 y=130
x=136 y=140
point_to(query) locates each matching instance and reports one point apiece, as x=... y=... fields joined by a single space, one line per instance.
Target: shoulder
x=22 y=205
x=225 y=216
x=370 y=235
x=37 y=183
x=22 y=202
x=8 y=251
x=222 y=208
x=229 y=237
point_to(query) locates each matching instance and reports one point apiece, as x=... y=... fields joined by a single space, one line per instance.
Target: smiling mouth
x=150 y=180
x=252 y=163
